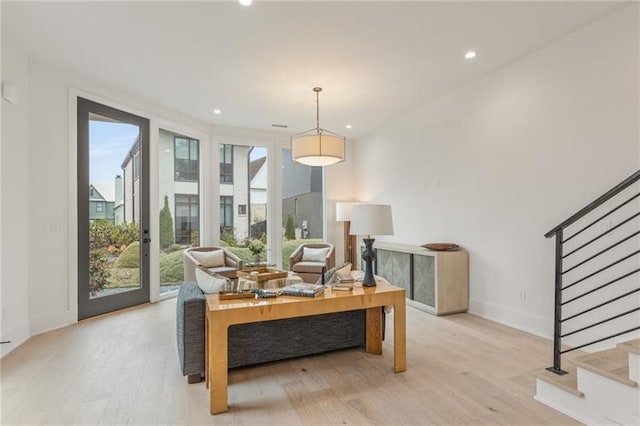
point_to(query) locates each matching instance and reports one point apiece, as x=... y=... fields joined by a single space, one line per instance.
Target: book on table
x=302 y=289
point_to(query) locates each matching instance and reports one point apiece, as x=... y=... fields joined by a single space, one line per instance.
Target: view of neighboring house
x=243 y=192
x=243 y=189
x=257 y=197
x=302 y=197
x=127 y=208
x=118 y=208
x=179 y=182
x=99 y=207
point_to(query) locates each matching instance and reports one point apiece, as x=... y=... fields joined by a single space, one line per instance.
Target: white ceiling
x=375 y=60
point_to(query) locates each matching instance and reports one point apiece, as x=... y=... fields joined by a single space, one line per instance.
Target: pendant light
x=317 y=147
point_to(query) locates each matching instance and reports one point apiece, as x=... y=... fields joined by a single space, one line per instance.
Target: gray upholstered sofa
x=265 y=341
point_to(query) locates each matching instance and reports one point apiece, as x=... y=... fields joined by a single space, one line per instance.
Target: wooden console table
x=223 y=313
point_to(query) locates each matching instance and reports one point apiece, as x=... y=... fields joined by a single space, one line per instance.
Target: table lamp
x=370 y=219
x=343 y=214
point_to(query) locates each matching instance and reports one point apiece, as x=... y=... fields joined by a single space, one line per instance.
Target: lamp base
x=368 y=255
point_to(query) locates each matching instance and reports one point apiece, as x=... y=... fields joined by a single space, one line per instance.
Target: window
x=302 y=199
x=179 y=212
x=242 y=209
x=99 y=207
x=226 y=214
x=187 y=218
x=226 y=163
x=186 y=159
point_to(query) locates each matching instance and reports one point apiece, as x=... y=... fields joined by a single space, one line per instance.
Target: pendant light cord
x=317 y=90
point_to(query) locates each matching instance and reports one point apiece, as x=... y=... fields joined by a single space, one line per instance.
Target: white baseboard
x=533 y=324
x=17 y=336
x=52 y=321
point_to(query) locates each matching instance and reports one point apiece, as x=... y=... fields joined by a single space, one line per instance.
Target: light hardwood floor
x=123 y=368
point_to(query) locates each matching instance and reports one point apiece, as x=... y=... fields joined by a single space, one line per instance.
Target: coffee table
x=223 y=313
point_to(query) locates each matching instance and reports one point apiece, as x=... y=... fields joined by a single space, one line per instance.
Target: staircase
x=597 y=310
x=600 y=388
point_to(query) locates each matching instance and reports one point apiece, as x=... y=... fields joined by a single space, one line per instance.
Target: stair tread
x=567 y=382
x=632 y=346
x=610 y=363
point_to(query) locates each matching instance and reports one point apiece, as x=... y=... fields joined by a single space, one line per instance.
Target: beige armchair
x=310 y=268
x=227 y=265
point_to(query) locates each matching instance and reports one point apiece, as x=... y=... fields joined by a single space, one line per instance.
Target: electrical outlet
x=523 y=296
x=436 y=184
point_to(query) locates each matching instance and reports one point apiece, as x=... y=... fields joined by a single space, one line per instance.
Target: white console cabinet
x=436 y=281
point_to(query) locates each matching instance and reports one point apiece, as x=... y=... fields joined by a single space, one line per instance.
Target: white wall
x=14 y=199
x=494 y=165
x=339 y=186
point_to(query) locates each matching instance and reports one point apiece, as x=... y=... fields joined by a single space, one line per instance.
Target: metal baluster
x=557 y=320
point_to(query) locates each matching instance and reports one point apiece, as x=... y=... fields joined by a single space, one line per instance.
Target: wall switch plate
x=51 y=227
x=10 y=93
x=523 y=296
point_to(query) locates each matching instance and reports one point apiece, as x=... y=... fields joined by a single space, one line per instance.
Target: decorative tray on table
x=226 y=295
x=263 y=274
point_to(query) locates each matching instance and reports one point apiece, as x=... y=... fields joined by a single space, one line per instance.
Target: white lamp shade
x=371 y=219
x=317 y=149
x=343 y=210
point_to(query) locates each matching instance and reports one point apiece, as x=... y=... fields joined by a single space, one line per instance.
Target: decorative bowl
x=441 y=246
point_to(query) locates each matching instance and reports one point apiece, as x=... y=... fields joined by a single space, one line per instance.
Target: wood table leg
x=218 y=367
x=206 y=350
x=374 y=330
x=399 y=336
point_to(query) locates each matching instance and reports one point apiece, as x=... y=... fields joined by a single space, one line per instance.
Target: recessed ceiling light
x=348 y=126
x=167 y=150
x=470 y=54
x=245 y=2
x=217 y=111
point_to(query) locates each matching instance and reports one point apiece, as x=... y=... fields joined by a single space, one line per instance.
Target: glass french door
x=113 y=209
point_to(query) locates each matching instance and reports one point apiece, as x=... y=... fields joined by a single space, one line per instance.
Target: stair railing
x=560 y=256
